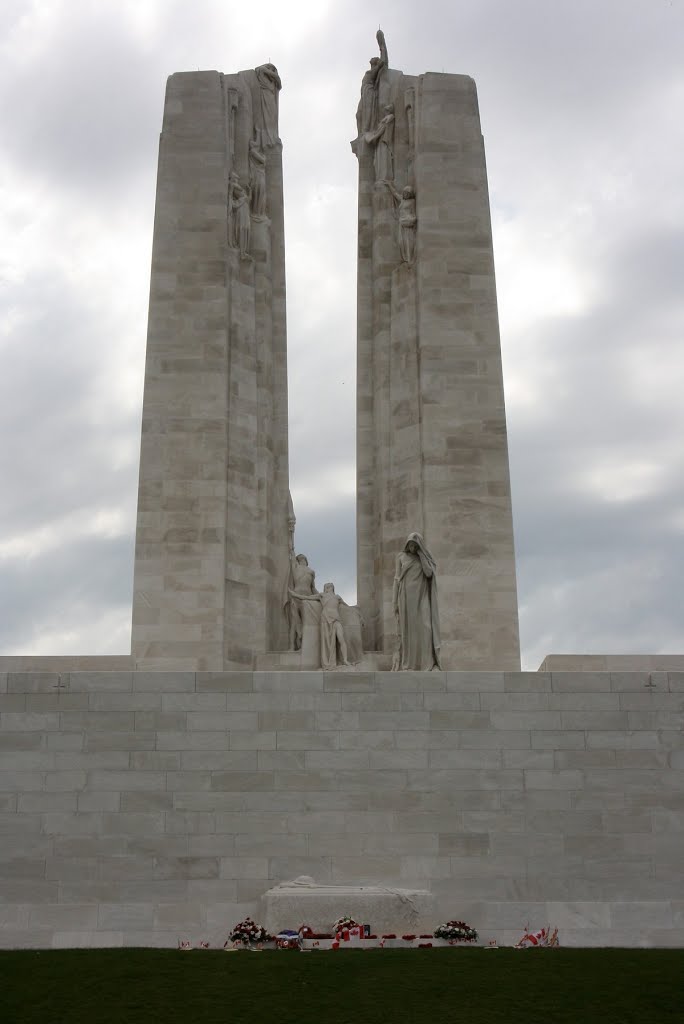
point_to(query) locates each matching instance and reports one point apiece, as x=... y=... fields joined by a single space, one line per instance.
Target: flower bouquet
x=344 y=922
x=456 y=931
x=248 y=932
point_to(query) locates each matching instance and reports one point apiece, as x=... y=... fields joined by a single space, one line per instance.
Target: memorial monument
x=233 y=764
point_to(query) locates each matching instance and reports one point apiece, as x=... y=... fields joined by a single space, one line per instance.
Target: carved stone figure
x=239 y=219
x=270 y=85
x=382 y=138
x=406 y=209
x=301 y=584
x=352 y=624
x=332 y=632
x=409 y=107
x=232 y=103
x=414 y=598
x=257 y=179
x=367 y=111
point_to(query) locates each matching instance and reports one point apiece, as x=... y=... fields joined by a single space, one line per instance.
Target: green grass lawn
x=471 y=986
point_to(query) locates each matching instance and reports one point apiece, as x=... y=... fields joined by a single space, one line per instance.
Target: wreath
x=248 y=932
x=456 y=931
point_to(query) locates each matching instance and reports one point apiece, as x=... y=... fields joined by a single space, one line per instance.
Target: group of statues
x=247 y=203
x=305 y=605
x=377 y=131
x=414 y=602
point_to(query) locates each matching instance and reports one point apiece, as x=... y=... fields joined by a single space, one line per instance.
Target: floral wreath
x=247 y=932
x=456 y=931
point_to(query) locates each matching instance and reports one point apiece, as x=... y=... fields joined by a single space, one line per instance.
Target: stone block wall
x=140 y=807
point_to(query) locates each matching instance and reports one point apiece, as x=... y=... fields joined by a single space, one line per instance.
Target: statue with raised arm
x=367 y=111
x=267 y=117
x=414 y=599
x=333 y=643
x=406 y=213
x=382 y=138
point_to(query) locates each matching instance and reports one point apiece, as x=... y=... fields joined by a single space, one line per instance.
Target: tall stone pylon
x=212 y=533
x=432 y=453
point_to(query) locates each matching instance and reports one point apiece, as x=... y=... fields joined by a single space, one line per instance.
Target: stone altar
x=386 y=908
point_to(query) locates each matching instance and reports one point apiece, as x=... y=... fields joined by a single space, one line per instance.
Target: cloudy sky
x=582 y=106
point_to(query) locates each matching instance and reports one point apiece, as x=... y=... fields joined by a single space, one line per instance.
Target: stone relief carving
x=352 y=624
x=232 y=102
x=409 y=107
x=270 y=85
x=367 y=111
x=257 y=179
x=333 y=642
x=239 y=220
x=414 y=599
x=382 y=137
x=407 y=220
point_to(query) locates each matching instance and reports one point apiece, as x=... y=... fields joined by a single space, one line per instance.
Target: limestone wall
x=140 y=807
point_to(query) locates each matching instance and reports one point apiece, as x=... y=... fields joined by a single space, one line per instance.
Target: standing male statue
x=333 y=641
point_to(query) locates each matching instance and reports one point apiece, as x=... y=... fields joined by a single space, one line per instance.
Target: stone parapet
x=137 y=807
x=612 y=663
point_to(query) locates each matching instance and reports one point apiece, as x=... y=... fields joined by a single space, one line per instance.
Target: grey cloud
x=69 y=590
x=57 y=458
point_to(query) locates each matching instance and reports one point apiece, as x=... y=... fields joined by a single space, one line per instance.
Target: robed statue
x=414 y=598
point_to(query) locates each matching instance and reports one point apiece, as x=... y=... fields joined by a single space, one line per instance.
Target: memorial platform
x=143 y=806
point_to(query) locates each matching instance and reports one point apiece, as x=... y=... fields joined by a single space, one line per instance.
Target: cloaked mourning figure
x=367 y=111
x=414 y=597
x=269 y=85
